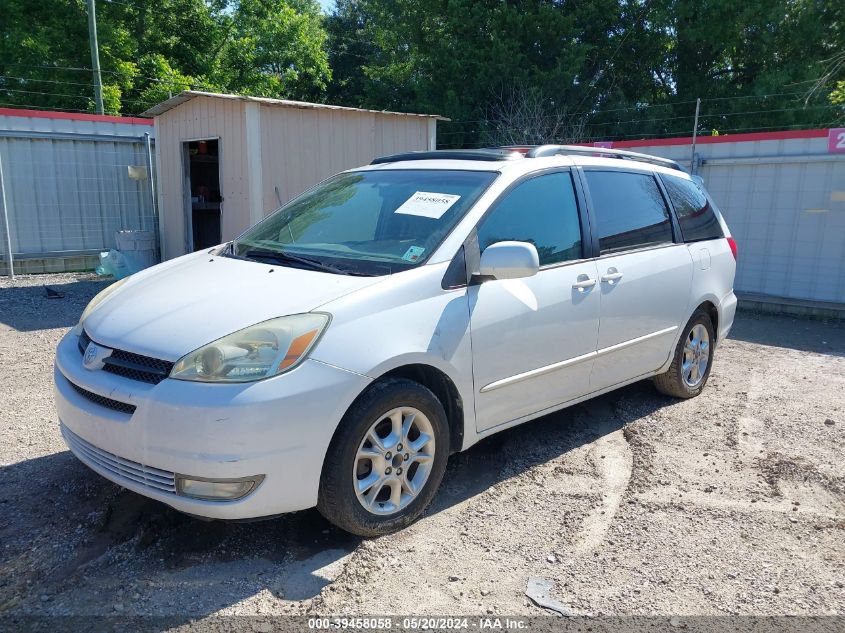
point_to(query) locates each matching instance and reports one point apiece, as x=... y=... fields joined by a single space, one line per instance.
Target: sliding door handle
x=612 y=275
x=583 y=283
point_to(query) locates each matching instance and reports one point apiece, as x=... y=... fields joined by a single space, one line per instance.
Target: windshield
x=366 y=222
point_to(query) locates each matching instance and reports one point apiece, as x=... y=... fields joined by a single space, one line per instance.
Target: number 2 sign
x=836 y=140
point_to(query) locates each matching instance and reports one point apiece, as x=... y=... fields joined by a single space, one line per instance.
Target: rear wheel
x=693 y=359
x=387 y=459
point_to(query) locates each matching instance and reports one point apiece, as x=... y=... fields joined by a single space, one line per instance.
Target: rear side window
x=695 y=213
x=630 y=210
x=542 y=211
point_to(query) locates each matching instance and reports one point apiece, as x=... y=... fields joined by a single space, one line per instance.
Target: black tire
x=337 y=500
x=672 y=382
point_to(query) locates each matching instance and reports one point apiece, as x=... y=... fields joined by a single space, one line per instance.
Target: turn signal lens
x=254 y=353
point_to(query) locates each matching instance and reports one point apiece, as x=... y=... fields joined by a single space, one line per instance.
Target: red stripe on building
x=722 y=138
x=75 y=116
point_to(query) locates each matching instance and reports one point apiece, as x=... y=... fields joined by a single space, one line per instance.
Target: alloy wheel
x=394 y=461
x=696 y=355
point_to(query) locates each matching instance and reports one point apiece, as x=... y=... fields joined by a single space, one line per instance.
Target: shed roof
x=187 y=95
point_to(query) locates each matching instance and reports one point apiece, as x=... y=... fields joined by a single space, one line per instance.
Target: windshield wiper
x=282 y=257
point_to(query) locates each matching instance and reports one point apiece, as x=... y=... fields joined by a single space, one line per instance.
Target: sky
x=327 y=5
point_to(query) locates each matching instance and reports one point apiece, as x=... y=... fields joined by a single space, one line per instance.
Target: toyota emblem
x=94 y=356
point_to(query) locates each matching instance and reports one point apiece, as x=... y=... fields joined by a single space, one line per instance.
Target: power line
x=585 y=113
x=50 y=81
x=47 y=94
x=32 y=106
x=453 y=133
x=658 y=135
x=65 y=94
x=172 y=81
x=123 y=91
x=640 y=107
x=177 y=82
x=765 y=96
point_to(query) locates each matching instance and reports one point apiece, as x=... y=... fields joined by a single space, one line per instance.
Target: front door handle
x=611 y=276
x=583 y=282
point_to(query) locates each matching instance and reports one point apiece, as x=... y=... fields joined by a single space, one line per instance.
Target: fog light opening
x=216 y=489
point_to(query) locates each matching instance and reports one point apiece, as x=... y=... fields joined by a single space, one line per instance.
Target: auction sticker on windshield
x=427 y=204
x=413 y=253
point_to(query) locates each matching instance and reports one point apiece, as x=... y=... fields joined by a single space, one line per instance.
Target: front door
x=644 y=278
x=534 y=339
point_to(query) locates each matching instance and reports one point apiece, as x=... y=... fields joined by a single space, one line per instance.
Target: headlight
x=105 y=292
x=254 y=353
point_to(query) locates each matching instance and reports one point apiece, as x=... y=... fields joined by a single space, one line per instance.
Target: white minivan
x=337 y=353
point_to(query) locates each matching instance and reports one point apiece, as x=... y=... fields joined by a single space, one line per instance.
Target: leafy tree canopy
x=622 y=68
x=150 y=50
x=501 y=69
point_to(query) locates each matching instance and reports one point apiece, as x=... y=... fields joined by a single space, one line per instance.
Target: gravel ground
x=630 y=504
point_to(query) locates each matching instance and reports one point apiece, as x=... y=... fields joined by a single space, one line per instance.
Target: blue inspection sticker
x=413 y=254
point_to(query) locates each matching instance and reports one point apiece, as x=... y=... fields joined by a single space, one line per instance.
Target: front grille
x=84 y=339
x=114 y=405
x=123 y=469
x=130 y=365
x=137 y=367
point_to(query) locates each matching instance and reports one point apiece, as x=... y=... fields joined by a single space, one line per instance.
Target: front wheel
x=386 y=460
x=693 y=359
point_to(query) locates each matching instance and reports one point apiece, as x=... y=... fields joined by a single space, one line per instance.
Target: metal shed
x=783 y=195
x=225 y=161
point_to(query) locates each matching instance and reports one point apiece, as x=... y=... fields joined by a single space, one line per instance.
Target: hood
x=174 y=308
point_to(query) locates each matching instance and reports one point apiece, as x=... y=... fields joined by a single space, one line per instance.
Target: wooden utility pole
x=95 y=56
x=694 y=135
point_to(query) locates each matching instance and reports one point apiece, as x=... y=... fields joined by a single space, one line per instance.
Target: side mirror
x=509 y=260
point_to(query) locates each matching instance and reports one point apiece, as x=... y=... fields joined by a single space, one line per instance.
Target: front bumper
x=279 y=428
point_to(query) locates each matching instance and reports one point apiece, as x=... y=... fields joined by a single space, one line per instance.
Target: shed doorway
x=201 y=161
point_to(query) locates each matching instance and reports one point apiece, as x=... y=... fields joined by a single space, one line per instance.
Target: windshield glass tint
x=368 y=222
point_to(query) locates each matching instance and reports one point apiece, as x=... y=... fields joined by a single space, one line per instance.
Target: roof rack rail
x=579 y=150
x=450 y=154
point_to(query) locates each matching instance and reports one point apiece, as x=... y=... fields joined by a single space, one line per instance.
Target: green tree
x=349 y=47
x=452 y=56
x=721 y=49
x=631 y=67
x=36 y=37
x=151 y=50
x=275 y=48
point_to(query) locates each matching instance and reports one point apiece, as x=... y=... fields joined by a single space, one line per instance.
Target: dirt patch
x=630 y=504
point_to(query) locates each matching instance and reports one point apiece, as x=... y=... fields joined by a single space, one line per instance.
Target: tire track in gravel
x=614 y=460
x=541 y=483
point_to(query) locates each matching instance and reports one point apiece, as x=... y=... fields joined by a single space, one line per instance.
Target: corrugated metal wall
x=67 y=186
x=784 y=201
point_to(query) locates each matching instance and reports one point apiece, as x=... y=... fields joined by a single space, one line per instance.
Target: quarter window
x=542 y=211
x=630 y=210
x=696 y=216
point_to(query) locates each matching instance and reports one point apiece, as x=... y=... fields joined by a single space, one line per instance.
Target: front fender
x=404 y=321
